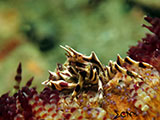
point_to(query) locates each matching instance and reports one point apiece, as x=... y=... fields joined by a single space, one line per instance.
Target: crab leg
x=121 y=61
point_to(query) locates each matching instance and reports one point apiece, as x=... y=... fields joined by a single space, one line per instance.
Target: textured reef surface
x=84 y=89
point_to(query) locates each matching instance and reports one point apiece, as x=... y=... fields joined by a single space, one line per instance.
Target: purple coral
x=19 y=105
x=148 y=50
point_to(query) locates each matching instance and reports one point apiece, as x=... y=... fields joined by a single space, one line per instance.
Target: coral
x=148 y=50
x=131 y=89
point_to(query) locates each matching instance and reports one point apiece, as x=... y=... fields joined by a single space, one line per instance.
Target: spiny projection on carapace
x=81 y=71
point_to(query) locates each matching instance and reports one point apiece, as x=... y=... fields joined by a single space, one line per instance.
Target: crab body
x=81 y=72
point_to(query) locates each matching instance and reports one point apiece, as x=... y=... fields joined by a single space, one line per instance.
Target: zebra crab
x=82 y=72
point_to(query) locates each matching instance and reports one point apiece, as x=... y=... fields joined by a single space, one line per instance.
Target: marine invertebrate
x=128 y=89
x=86 y=70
